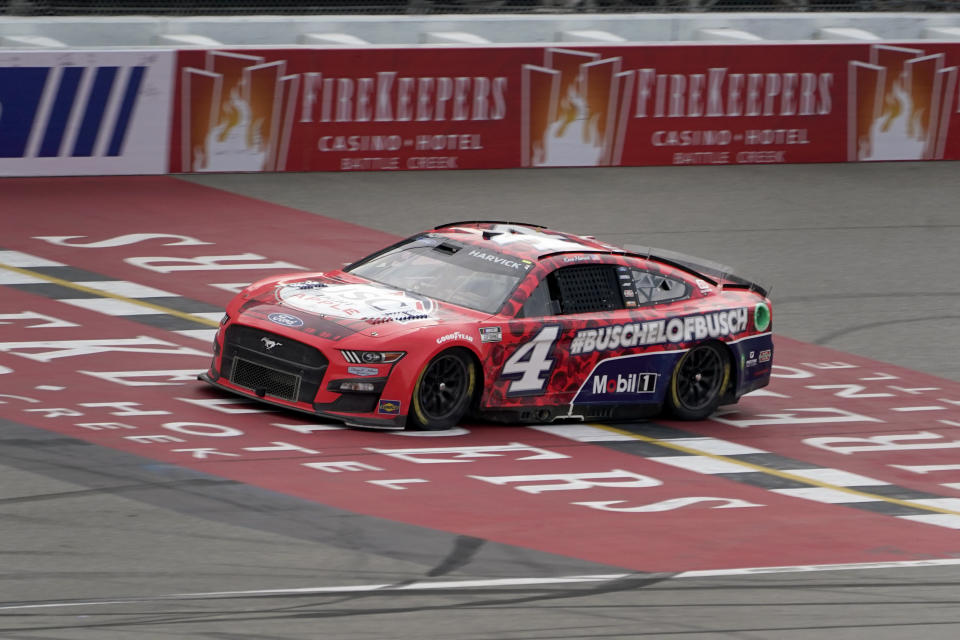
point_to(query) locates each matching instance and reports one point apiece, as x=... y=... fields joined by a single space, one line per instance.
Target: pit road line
x=480 y=584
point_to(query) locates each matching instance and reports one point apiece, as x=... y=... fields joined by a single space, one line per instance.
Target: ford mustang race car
x=506 y=321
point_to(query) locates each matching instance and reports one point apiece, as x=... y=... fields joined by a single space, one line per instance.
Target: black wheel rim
x=699 y=378
x=442 y=387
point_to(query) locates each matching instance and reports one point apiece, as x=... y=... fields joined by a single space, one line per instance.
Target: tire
x=443 y=392
x=698 y=382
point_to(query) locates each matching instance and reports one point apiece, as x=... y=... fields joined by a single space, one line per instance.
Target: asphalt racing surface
x=137 y=503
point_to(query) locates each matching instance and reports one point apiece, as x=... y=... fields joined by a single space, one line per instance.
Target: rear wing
x=718 y=274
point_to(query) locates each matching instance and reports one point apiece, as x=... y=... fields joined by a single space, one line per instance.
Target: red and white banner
x=504 y=107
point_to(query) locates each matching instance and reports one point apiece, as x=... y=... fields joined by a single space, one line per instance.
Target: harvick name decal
x=494 y=258
x=674 y=330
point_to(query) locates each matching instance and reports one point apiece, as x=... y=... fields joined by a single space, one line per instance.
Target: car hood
x=338 y=305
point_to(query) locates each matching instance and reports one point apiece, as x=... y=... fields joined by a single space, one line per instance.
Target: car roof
x=519 y=239
x=533 y=242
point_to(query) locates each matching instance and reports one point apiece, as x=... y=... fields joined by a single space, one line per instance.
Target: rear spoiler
x=716 y=273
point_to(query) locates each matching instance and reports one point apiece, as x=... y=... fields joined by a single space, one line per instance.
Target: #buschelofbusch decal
x=675 y=330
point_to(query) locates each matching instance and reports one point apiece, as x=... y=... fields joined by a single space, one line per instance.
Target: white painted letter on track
x=821 y=415
x=53 y=349
x=669 y=505
x=164 y=264
x=849 y=390
x=163 y=377
x=617 y=478
x=881 y=443
x=440 y=455
x=125 y=408
x=203 y=429
x=119 y=241
x=49 y=322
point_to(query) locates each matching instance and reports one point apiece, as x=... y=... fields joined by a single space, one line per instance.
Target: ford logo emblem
x=285 y=319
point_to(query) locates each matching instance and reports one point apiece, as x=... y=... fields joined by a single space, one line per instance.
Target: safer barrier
x=503 y=107
x=414 y=108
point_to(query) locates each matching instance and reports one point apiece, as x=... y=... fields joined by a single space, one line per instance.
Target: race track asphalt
x=861 y=258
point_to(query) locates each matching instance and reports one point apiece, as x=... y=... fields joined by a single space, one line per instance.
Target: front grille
x=274 y=345
x=276 y=364
x=265 y=380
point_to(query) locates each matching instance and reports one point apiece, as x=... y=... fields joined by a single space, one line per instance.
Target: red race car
x=506 y=321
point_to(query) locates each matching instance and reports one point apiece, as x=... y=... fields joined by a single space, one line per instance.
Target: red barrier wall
x=502 y=107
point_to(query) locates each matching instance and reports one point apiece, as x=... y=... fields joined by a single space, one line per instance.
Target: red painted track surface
x=818 y=394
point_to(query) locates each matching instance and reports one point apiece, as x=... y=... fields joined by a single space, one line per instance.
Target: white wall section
x=147 y=31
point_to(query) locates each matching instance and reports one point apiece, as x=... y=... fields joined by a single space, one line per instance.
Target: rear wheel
x=443 y=391
x=698 y=382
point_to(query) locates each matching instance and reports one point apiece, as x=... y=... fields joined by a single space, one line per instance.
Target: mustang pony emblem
x=270 y=344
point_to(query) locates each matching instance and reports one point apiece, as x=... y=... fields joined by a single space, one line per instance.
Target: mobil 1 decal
x=628 y=379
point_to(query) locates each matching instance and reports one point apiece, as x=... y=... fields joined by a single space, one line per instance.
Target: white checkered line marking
x=823 y=490
x=704 y=464
x=952 y=504
x=212 y=316
x=26 y=261
x=14 y=264
x=939 y=519
x=13 y=277
x=825 y=495
x=583 y=433
x=112 y=306
x=207 y=335
x=127 y=289
x=714 y=445
x=836 y=477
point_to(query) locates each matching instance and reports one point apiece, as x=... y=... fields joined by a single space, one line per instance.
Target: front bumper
x=278 y=369
x=323 y=411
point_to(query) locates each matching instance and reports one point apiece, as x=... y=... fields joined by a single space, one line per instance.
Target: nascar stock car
x=505 y=321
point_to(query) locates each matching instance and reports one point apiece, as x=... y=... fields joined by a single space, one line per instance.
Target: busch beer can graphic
x=899 y=105
x=236 y=113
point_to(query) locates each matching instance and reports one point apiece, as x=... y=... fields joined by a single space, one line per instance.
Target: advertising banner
x=84 y=112
x=502 y=107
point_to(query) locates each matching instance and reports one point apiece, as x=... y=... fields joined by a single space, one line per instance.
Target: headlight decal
x=372 y=357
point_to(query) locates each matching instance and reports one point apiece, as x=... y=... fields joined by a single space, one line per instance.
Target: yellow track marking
x=777 y=472
x=107 y=294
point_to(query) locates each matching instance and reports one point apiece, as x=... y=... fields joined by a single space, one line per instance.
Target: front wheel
x=698 y=382
x=443 y=391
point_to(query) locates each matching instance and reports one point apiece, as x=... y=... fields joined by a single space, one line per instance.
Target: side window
x=588 y=287
x=540 y=303
x=653 y=288
x=576 y=289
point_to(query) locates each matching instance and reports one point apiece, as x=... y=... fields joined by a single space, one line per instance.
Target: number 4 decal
x=530 y=361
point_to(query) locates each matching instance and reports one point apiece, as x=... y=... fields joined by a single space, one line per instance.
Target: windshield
x=434 y=266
